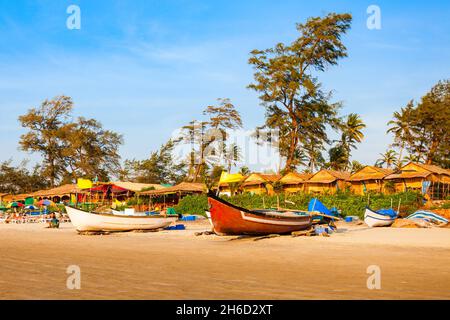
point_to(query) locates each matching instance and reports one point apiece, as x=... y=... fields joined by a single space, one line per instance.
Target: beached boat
x=428 y=216
x=88 y=221
x=320 y=212
x=380 y=218
x=228 y=219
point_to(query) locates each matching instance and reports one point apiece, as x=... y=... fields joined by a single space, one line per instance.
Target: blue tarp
x=316 y=205
x=387 y=212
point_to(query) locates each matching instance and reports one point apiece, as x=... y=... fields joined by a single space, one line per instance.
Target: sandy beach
x=415 y=264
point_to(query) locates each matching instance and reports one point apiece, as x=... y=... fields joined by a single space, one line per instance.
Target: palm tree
x=411 y=158
x=232 y=156
x=400 y=127
x=355 y=166
x=389 y=158
x=351 y=133
x=245 y=171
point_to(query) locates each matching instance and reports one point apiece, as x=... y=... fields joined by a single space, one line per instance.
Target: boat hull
x=231 y=220
x=87 y=221
x=375 y=219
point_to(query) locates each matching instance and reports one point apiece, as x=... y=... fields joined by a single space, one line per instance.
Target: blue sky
x=145 y=68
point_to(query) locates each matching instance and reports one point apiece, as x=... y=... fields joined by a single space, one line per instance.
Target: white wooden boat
x=376 y=219
x=88 y=221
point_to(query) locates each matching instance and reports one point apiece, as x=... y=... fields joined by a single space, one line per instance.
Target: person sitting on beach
x=54 y=222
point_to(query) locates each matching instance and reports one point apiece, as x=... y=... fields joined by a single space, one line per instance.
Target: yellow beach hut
x=295 y=182
x=368 y=179
x=327 y=181
x=425 y=178
x=259 y=183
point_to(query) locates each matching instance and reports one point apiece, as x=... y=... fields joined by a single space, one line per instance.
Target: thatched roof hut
x=60 y=191
x=135 y=186
x=294 y=181
x=260 y=183
x=327 y=181
x=423 y=178
x=16 y=197
x=368 y=179
x=182 y=188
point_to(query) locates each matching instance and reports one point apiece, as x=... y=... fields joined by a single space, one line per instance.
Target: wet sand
x=415 y=264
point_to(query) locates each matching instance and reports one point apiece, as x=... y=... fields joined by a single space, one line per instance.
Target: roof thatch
x=65 y=189
x=295 y=178
x=434 y=169
x=417 y=170
x=16 y=197
x=328 y=176
x=183 y=187
x=370 y=173
x=136 y=187
x=259 y=178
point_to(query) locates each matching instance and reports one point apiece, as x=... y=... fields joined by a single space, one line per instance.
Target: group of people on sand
x=52 y=218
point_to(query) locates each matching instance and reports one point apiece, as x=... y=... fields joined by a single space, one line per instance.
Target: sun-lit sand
x=415 y=264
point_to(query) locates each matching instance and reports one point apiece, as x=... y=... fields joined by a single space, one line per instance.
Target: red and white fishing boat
x=228 y=219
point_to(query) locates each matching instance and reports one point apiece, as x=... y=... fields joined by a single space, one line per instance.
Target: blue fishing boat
x=316 y=206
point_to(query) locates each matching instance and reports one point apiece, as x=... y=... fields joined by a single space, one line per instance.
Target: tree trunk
x=292 y=148
x=433 y=148
x=400 y=155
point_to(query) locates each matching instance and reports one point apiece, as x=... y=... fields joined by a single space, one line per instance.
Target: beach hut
x=368 y=179
x=59 y=194
x=170 y=196
x=295 y=182
x=135 y=186
x=327 y=181
x=424 y=178
x=260 y=183
x=183 y=188
x=16 y=197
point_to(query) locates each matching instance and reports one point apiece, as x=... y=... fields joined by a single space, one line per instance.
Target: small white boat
x=379 y=218
x=88 y=221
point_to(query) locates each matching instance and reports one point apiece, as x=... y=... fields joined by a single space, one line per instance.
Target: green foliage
x=193 y=204
x=19 y=179
x=389 y=159
x=70 y=148
x=286 y=78
x=422 y=128
x=207 y=139
x=160 y=167
x=445 y=205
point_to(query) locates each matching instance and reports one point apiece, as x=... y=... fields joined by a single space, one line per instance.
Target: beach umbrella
x=31 y=207
x=44 y=202
x=15 y=205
